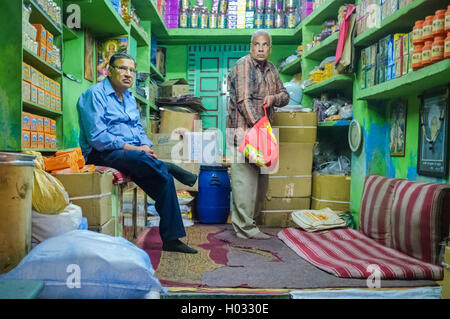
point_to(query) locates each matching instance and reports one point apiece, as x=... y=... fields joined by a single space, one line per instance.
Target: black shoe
x=183 y=176
x=178 y=246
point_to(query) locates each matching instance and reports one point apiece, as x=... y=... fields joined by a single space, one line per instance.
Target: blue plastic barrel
x=213 y=201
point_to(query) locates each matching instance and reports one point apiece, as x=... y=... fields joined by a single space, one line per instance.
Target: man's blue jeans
x=152 y=177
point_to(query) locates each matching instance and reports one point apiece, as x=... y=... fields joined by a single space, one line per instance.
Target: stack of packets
x=314 y=220
x=67 y=161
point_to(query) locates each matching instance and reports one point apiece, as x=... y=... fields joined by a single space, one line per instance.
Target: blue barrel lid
x=213 y=168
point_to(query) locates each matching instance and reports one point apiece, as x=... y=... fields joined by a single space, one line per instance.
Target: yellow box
x=47 y=141
x=47 y=125
x=26 y=143
x=34 y=76
x=58 y=103
x=26 y=121
x=445 y=294
x=52 y=127
x=33 y=139
x=41 y=36
x=57 y=89
x=52 y=86
x=41 y=96
x=47 y=99
x=33 y=93
x=41 y=141
x=26 y=90
x=331 y=191
x=52 y=102
x=49 y=41
x=33 y=123
x=295 y=127
x=54 y=144
x=40 y=123
x=26 y=72
x=40 y=80
x=46 y=83
x=49 y=57
x=42 y=49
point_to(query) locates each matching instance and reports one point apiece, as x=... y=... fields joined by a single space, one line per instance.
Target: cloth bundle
x=314 y=220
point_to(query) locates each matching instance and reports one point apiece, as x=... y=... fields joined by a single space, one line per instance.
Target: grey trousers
x=248 y=188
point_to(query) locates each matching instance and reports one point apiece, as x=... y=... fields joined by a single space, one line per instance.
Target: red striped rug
x=348 y=253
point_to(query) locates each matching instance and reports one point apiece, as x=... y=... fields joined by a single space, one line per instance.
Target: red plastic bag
x=260 y=145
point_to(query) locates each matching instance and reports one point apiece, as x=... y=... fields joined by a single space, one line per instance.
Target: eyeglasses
x=124 y=69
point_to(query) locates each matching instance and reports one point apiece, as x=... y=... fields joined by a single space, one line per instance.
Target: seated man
x=111 y=135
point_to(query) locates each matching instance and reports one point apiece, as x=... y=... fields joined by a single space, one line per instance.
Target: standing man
x=111 y=135
x=252 y=82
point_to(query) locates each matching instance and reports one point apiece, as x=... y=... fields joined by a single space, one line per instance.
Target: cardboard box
x=33 y=122
x=331 y=191
x=41 y=140
x=52 y=127
x=26 y=143
x=34 y=76
x=33 y=93
x=86 y=184
x=34 y=139
x=47 y=141
x=26 y=91
x=281 y=204
x=57 y=89
x=41 y=36
x=97 y=210
x=54 y=144
x=107 y=228
x=26 y=121
x=203 y=147
x=289 y=186
x=171 y=121
x=50 y=41
x=41 y=96
x=275 y=219
x=47 y=99
x=445 y=294
x=296 y=127
x=164 y=144
x=42 y=49
x=40 y=80
x=295 y=159
x=174 y=88
x=40 y=123
x=26 y=72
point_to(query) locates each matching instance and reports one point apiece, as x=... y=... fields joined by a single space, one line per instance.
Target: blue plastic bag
x=84 y=264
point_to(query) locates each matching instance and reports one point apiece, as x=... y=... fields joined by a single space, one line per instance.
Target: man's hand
x=269 y=100
x=143 y=148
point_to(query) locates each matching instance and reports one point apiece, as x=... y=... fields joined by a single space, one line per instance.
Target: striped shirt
x=249 y=83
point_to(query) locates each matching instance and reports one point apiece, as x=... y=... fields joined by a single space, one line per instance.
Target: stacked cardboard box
x=289 y=188
x=446 y=282
x=332 y=191
x=92 y=192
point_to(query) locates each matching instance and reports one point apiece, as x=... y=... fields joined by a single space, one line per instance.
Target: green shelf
x=155 y=72
x=292 y=67
x=146 y=10
x=69 y=34
x=334 y=123
x=401 y=21
x=140 y=36
x=39 y=16
x=328 y=10
x=38 y=63
x=42 y=150
x=410 y=84
x=140 y=98
x=94 y=14
x=323 y=50
x=341 y=83
x=153 y=106
x=39 y=109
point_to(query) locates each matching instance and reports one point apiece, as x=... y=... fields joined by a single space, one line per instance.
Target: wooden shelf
x=323 y=50
x=69 y=34
x=39 y=16
x=341 y=83
x=139 y=35
x=146 y=10
x=39 y=109
x=328 y=10
x=292 y=67
x=38 y=63
x=402 y=20
x=412 y=83
x=155 y=72
x=101 y=18
x=334 y=123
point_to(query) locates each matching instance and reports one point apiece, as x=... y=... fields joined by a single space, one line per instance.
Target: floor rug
x=225 y=261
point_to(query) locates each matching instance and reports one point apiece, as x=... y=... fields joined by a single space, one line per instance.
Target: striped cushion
x=348 y=253
x=377 y=198
x=418 y=221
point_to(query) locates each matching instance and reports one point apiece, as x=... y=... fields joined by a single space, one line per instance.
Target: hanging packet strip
x=260 y=145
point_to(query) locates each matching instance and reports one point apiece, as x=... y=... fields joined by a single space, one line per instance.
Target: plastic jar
x=270 y=5
x=290 y=19
x=279 y=19
x=447 y=46
x=447 y=19
x=417 y=32
x=250 y=5
x=213 y=19
x=427 y=29
x=437 y=49
x=203 y=18
x=426 y=53
x=222 y=20
x=268 y=19
x=438 y=28
x=417 y=57
x=183 y=16
x=259 y=18
x=259 y=4
x=194 y=17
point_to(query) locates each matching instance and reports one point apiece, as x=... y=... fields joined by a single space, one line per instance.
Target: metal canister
x=194 y=17
x=222 y=20
x=250 y=5
x=183 y=17
x=213 y=19
x=290 y=18
x=203 y=18
x=270 y=5
x=279 y=19
x=259 y=19
x=268 y=19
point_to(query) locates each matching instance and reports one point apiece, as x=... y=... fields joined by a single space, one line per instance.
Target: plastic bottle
x=213 y=19
x=417 y=32
x=259 y=19
x=222 y=20
x=290 y=19
x=279 y=19
x=194 y=18
x=268 y=19
x=438 y=28
x=447 y=46
x=427 y=29
x=417 y=57
x=437 y=49
x=426 y=53
x=183 y=16
x=203 y=18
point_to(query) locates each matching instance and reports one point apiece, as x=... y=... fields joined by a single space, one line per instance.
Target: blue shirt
x=106 y=122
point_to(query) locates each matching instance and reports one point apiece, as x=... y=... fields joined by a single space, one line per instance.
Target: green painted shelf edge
x=155 y=71
x=39 y=64
x=95 y=13
x=140 y=98
x=326 y=11
x=153 y=106
x=69 y=34
x=325 y=49
x=48 y=150
x=139 y=35
x=293 y=67
x=42 y=110
x=334 y=123
x=40 y=17
x=402 y=20
x=146 y=10
x=409 y=84
x=337 y=82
